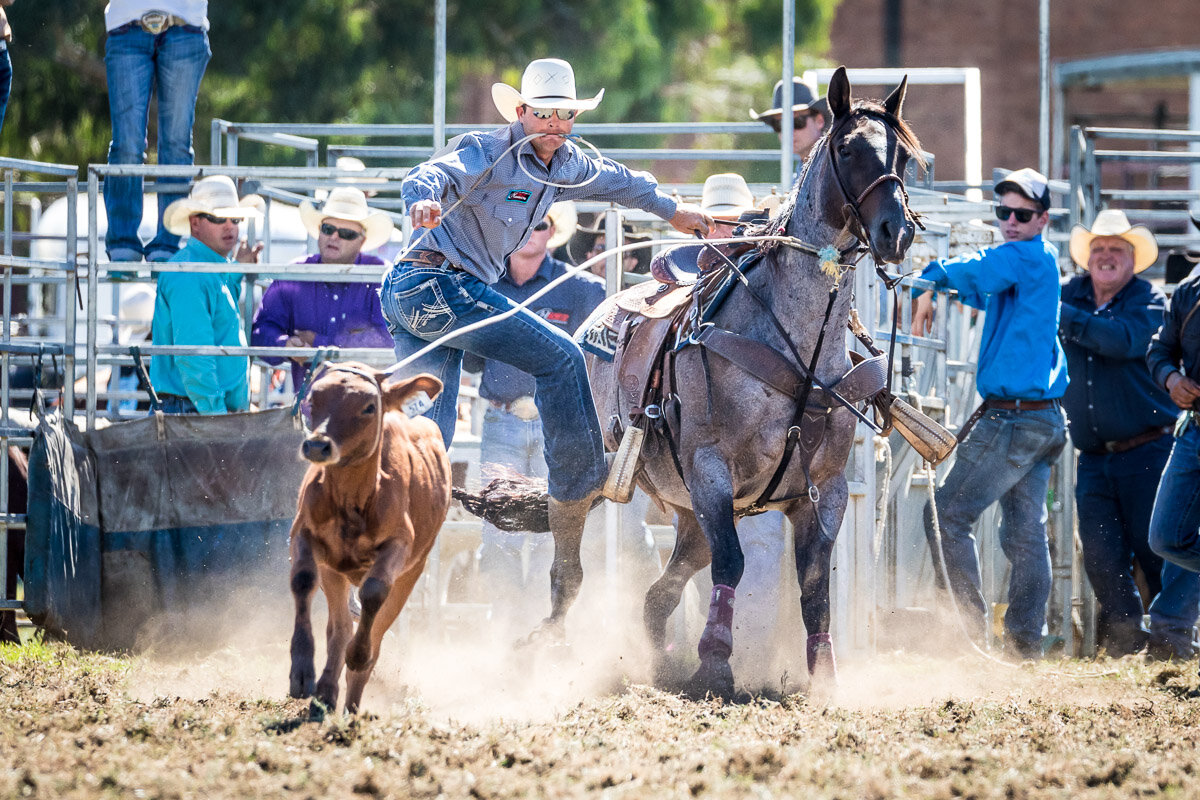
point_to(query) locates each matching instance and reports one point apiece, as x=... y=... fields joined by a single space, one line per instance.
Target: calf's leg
x=303 y=585
x=337 y=633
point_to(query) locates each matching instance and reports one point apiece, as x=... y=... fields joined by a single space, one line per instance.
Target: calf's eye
x=369 y=410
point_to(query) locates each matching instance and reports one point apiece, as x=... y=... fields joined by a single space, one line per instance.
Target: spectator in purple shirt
x=323 y=313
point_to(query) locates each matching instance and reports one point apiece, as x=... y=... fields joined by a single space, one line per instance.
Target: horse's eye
x=369 y=410
x=843 y=149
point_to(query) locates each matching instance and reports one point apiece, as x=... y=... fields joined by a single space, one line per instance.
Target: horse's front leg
x=566 y=571
x=712 y=501
x=816 y=530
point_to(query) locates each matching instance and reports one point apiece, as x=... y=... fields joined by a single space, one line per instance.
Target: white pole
x=439 y=76
x=1044 y=87
x=973 y=132
x=1194 y=125
x=785 y=118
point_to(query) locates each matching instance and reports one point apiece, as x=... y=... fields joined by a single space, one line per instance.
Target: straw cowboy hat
x=214 y=195
x=348 y=203
x=1113 y=222
x=726 y=196
x=1192 y=254
x=547 y=83
x=804 y=98
x=562 y=216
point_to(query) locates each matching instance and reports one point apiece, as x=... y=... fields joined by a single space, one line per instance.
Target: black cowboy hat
x=804 y=98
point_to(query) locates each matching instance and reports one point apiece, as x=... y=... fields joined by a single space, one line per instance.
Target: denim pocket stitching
x=417 y=319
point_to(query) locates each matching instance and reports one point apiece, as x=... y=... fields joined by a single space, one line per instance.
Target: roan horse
x=727 y=428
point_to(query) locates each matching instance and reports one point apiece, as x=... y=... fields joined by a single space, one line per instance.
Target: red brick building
x=1001 y=39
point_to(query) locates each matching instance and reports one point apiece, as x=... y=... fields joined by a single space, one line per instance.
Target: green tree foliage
x=371 y=61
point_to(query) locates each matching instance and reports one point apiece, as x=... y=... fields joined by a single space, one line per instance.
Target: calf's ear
x=414 y=396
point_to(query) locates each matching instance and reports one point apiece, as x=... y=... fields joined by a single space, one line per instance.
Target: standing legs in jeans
x=1175 y=527
x=1006 y=458
x=138 y=63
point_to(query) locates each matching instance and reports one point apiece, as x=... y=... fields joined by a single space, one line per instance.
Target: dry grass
x=86 y=725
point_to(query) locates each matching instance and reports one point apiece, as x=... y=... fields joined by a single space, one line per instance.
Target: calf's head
x=347 y=403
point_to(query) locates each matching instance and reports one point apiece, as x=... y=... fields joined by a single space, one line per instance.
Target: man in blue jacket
x=201 y=308
x=1018 y=431
x=1121 y=422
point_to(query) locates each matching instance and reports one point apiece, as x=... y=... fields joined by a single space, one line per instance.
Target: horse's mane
x=903 y=132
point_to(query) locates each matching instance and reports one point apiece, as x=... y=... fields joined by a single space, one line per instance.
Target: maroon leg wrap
x=716 y=643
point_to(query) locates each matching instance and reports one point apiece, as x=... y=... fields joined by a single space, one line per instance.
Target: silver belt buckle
x=155 y=22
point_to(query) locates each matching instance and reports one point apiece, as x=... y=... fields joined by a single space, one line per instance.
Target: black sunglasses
x=544 y=225
x=1023 y=214
x=216 y=220
x=343 y=233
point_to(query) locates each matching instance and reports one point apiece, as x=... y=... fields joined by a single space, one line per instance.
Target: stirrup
x=620 y=483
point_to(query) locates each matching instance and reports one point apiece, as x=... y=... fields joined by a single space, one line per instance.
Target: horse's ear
x=896 y=99
x=839 y=94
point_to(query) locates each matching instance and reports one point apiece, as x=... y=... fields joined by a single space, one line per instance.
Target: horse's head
x=867 y=149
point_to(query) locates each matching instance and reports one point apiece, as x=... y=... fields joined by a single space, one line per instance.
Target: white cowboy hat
x=1113 y=222
x=348 y=203
x=562 y=216
x=214 y=195
x=726 y=196
x=547 y=83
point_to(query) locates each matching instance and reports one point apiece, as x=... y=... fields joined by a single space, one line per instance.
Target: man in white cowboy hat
x=325 y=313
x=1121 y=422
x=810 y=114
x=1174 y=362
x=201 y=308
x=500 y=188
x=1010 y=443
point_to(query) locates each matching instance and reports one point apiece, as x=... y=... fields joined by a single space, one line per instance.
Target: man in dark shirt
x=1121 y=423
x=1174 y=361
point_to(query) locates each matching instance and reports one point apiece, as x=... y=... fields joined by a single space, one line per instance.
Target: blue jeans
x=1006 y=458
x=136 y=62
x=1114 y=498
x=5 y=83
x=1175 y=523
x=174 y=404
x=423 y=303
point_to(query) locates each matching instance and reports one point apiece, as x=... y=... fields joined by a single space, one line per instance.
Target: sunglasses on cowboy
x=1023 y=214
x=546 y=113
x=343 y=233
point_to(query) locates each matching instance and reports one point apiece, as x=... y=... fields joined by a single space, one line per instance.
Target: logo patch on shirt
x=558 y=316
x=518 y=196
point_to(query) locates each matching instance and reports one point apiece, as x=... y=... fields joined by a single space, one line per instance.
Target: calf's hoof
x=302 y=683
x=358 y=655
x=326 y=695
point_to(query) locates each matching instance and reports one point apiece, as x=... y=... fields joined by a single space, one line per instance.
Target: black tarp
x=154 y=518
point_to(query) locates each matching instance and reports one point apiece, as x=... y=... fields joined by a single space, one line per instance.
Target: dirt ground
x=441 y=723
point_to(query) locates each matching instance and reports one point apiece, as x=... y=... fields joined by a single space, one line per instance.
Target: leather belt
x=1020 y=405
x=429 y=258
x=1145 y=437
x=1003 y=405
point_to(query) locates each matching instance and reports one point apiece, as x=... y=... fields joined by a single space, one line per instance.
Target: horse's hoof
x=546 y=635
x=714 y=678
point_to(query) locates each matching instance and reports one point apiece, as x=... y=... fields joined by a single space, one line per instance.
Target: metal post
x=1194 y=125
x=214 y=143
x=1059 y=106
x=6 y=336
x=93 y=291
x=70 y=334
x=439 y=76
x=786 y=122
x=1044 y=86
x=973 y=132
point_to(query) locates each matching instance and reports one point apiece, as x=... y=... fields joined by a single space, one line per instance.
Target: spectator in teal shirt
x=201 y=308
x=1019 y=430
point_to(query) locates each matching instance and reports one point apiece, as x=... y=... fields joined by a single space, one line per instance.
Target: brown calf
x=370 y=508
